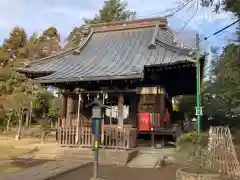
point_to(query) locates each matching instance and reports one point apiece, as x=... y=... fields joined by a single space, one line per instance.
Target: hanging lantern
x=106 y=95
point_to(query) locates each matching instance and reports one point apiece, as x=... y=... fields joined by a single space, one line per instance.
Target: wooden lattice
x=223 y=152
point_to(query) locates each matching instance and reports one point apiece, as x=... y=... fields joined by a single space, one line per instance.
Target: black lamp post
x=97 y=115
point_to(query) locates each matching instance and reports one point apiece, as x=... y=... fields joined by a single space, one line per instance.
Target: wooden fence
x=113 y=137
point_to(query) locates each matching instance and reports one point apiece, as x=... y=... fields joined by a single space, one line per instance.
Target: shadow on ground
x=24 y=163
x=120 y=172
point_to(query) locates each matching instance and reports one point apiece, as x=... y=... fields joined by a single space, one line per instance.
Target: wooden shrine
x=134 y=65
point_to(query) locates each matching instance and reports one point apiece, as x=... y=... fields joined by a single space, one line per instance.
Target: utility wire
x=226 y=27
x=179 y=9
x=170 y=14
x=193 y=15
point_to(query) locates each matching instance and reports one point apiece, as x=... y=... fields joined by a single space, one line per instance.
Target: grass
x=11 y=149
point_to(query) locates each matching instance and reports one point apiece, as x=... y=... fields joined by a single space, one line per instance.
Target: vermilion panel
x=144 y=122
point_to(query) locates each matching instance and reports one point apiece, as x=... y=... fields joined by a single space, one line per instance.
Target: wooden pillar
x=70 y=110
x=162 y=105
x=133 y=110
x=120 y=109
x=78 y=117
x=63 y=107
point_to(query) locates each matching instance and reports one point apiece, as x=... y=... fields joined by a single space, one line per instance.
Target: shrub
x=192 y=138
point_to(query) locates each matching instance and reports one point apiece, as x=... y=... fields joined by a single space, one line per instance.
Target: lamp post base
x=96 y=179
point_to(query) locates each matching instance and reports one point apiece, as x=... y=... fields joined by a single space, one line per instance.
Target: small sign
x=198 y=111
x=96 y=144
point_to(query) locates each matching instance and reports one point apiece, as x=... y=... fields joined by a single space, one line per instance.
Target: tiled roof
x=113 y=51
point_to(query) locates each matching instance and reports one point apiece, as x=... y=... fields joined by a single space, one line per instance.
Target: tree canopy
x=16 y=92
x=113 y=10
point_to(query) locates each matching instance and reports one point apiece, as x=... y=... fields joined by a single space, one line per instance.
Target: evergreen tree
x=113 y=10
x=29 y=49
x=17 y=39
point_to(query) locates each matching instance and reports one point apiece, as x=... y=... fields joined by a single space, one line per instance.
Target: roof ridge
x=133 y=24
x=162 y=19
x=83 y=41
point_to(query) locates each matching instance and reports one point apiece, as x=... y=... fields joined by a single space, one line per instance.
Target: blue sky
x=37 y=15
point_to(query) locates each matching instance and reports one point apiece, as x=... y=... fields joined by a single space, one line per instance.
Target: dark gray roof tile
x=115 y=54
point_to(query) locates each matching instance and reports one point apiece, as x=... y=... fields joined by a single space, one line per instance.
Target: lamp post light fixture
x=198 y=84
x=97 y=116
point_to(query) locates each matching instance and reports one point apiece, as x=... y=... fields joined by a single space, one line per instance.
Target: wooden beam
x=106 y=90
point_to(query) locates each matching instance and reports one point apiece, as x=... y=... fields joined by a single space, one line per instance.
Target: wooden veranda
x=75 y=129
x=117 y=133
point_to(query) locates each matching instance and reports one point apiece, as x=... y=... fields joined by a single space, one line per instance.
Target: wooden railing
x=119 y=138
x=113 y=137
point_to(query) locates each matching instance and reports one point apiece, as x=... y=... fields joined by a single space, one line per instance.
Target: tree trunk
x=51 y=122
x=27 y=120
x=8 y=123
x=30 y=115
x=43 y=136
x=18 y=136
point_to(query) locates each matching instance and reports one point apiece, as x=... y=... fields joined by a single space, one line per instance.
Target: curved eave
x=34 y=74
x=25 y=71
x=170 y=65
x=87 y=79
x=183 y=51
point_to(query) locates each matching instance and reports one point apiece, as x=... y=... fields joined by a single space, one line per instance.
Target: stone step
x=145 y=161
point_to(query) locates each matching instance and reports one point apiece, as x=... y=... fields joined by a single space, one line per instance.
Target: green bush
x=45 y=125
x=192 y=138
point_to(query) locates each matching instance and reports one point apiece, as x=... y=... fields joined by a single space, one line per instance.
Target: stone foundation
x=120 y=157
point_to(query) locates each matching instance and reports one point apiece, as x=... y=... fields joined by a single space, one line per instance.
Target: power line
x=179 y=9
x=226 y=27
x=170 y=14
x=193 y=15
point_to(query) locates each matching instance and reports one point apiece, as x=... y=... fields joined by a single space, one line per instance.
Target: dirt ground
x=119 y=173
x=12 y=149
